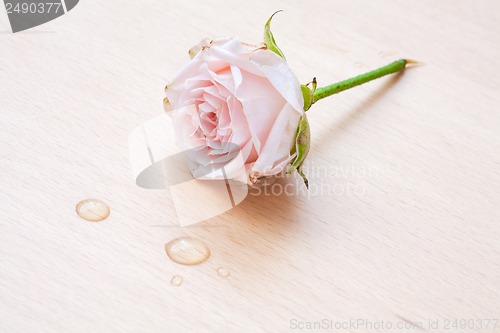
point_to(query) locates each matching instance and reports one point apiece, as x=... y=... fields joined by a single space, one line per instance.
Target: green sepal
x=269 y=38
x=308 y=93
x=301 y=148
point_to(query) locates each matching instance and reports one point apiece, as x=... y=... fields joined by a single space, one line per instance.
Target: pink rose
x=235 y=96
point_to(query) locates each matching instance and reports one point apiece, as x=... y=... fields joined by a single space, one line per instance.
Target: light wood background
x=417 y=241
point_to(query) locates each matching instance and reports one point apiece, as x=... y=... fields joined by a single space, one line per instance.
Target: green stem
x=335 y=88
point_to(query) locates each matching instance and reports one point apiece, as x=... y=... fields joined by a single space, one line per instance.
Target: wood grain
x=401 y=224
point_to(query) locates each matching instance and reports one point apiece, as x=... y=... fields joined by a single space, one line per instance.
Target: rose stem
x=335 y=88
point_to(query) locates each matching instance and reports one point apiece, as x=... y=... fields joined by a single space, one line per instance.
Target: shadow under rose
x=273 y=224
x=264 y=234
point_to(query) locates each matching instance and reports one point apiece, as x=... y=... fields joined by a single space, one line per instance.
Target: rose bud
x=233 y=94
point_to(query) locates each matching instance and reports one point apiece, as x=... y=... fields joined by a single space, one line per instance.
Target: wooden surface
x=418 y=240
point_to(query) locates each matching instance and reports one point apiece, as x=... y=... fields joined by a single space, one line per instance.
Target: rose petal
x=279 y=143
x=281 y=77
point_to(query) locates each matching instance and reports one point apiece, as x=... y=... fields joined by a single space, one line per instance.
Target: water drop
x=92 y=210
x=223 y=272
x=358 y=64
x=176 y=280
x=187 y=251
